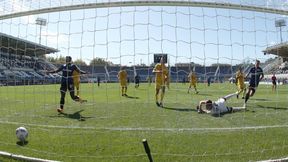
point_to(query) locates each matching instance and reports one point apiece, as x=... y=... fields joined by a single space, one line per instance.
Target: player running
x=67 y=81
x=161 y=80
x=218 y=107
x=240 y=83
x=256 y=75
x=274 y=84
x=193 y=81
x=98 y=81
x=137 y=80
x=122 y=77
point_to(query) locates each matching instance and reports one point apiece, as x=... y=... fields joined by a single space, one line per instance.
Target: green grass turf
x=110 y=127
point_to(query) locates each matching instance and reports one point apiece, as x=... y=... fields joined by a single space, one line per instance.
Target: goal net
x=211 y=39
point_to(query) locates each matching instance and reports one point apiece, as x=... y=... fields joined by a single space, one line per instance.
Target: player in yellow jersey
x=240 y=83
x=122 y=77
x=76 y=81
x=161 y=80
x=193 y=81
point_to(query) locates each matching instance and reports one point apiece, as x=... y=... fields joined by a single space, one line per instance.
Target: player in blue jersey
x=256 y=75
x=67 y=81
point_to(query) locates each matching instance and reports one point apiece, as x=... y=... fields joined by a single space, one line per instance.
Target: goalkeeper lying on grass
x=218 y=107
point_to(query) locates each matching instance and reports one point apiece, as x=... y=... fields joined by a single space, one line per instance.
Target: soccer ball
x=21 y=133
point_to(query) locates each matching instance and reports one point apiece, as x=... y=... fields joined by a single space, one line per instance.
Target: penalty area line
x=147 y=128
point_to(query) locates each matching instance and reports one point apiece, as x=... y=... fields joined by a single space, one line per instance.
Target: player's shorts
x=253 y=85
x=241 y=86
x=76 y=83
x=66 y=84
x=123 y=83
x=193 y=84
x=219 y=106
x=159 y=85
x=274 y=82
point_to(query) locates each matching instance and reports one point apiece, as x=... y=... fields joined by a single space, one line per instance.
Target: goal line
x=149 y=129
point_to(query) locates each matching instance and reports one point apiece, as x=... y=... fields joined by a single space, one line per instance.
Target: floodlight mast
x=279 y=23
x=41 y=22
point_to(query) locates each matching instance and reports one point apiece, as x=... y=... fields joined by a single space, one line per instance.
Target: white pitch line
x=24 y=158
x=146 y=128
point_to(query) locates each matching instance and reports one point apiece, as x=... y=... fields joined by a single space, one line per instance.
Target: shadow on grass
x=259 y=99
x=132 y=97
x=22 y=143
x=270 y=107
x=234 y=111
x=204 y=94
x=178 y=109
x=75 y=115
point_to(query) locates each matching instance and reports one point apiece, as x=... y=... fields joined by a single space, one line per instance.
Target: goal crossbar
x=145 y=3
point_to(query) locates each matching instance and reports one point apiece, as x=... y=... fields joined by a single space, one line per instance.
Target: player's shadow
x=259 y=99
x=75 y=115
x=204 y=94
x=270 y=107
x=22 y=143
x=234 y=111
x=222 y=114
x=132 y=97
x=178 y=109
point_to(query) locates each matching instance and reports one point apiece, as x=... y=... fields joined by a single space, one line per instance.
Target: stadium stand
x=280 y=50
x=21 y=62
x=273 y=66
x=280 y=65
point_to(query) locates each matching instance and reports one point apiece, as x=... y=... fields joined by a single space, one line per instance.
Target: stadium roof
x=278 y=49
x=19 y=46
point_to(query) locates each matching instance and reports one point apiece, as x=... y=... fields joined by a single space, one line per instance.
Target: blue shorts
x=67 y=84
x=253 y=85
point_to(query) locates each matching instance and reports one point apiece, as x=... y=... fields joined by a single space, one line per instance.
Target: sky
x=131 y=35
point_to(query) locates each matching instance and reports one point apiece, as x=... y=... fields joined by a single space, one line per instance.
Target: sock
x=246 y=97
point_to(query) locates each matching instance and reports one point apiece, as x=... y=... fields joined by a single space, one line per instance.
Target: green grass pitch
x=110 y=127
